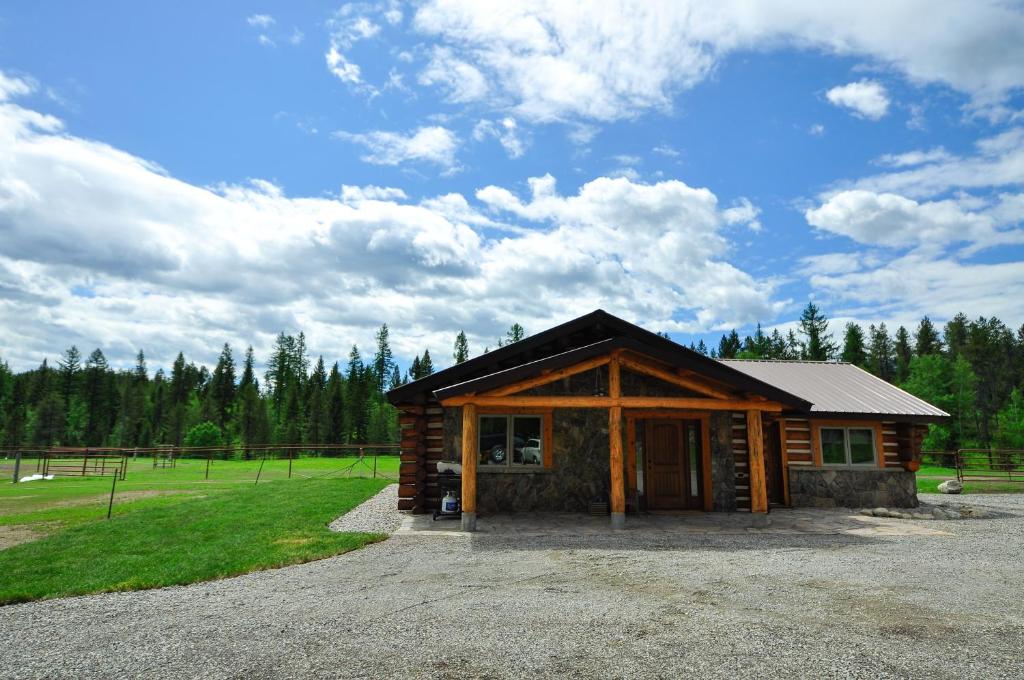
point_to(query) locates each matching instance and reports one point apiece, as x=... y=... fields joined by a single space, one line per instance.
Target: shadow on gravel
x=479 y=542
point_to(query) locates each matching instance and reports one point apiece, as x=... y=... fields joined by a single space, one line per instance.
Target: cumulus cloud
x=865 y=98
x=434 y=144
x=612 y=60
x=506 y=131
x=103 y=248
x=462 y=81
x=260 y=20
x=896 y=221
x=347 y=27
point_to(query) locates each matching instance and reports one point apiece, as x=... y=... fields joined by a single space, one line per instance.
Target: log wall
x=742 y=458
x=421 y=432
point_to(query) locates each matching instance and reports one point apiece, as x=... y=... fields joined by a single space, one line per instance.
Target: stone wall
x=848 y=488
x=580 y=471
x=723 y=463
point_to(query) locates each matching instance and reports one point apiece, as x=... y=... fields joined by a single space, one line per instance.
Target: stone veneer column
x=723 y=464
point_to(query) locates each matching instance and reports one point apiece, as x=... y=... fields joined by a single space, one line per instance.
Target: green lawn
x=930 y=476
x=184 y=538
x=173 y=525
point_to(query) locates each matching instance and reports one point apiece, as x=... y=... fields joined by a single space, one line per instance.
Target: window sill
x=516 y=470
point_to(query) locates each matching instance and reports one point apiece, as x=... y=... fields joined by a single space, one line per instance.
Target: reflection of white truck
x=532 y=452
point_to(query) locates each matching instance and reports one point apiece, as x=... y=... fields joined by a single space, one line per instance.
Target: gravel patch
x=378 y=515
x=623 y=604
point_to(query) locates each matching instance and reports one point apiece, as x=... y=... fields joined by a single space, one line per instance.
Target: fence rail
x=978 y=465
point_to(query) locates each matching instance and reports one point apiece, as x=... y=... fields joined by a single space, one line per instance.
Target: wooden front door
x=669 y=482
x=773 y=464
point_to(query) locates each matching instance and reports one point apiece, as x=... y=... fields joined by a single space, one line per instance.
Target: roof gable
x=573 y=341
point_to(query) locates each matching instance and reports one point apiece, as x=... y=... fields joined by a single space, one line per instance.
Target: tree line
x=298 y=400
x=972 y=369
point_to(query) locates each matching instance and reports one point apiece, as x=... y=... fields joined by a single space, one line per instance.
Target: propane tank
x=449 y=504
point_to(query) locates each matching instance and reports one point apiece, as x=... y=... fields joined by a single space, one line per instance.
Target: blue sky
x=180 y=176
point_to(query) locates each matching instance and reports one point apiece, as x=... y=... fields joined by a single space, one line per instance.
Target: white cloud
x=347 y=28
x=896 y=221
x=434 y=144
x=916 y=284
x=170 y=265
x=743 y=212
x=260 y=20
x=610 y=60
x=917 y=157
x=866 y=98
x=11 y=86
x=506 y=131
x=817 y=129
x=998 y=162
x=462 y=81
x=666 y=150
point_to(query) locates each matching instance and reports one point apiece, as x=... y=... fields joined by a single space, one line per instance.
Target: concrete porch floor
x=779 y=521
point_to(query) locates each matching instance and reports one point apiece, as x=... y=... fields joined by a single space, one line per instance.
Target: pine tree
x=414 y=369
x=926 y=339
x=383 y=359
x=904 y=354
x=248 y=371
x=701 y=348
x=316 y=405
x=881 y=359
x=461 y=348
x=396 y=378
x=98 y=399
x=854 y=351
x=818 y=345
x=16 y=415
x=729 y=345
x=69 y=368
x=221 y=394
x=356 y=398
x=336 y=406
x=956 y=334
x=49 y=420
x=515 y=333
x=426 y=365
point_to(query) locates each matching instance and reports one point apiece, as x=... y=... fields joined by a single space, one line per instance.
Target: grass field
x=173 y=526
x=930 y=476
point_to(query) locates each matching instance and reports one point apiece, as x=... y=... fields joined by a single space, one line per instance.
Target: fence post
x=110 y=507
x=17 y=466
x=209 y=455
x=260 y=471
x=375 y=453
x=289 y=463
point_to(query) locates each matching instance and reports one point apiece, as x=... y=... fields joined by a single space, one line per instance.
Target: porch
x=659 y=442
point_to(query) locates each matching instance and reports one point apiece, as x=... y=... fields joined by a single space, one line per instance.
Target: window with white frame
x=511 y=441
x=847 y=446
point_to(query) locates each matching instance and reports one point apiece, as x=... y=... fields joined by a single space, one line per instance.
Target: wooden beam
x=673 y=379
x=698 y=403
x=618 y=486
x=755 y=462
x=614 y=377
x=469 y=459
x=549 y=377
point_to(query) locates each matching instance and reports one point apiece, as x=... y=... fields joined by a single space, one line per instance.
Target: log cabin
x=599 y=412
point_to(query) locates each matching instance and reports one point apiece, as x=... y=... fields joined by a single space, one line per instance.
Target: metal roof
x=837 y=388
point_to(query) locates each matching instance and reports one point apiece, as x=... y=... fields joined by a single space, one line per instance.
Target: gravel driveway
x=946 y=605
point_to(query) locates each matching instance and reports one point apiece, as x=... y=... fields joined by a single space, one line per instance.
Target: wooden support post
x=469 y=458
x=755 y=463
x=618 y=482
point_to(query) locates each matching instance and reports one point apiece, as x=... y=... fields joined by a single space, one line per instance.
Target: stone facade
x=723 y=464
x=580 y=471
x=848 y=488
